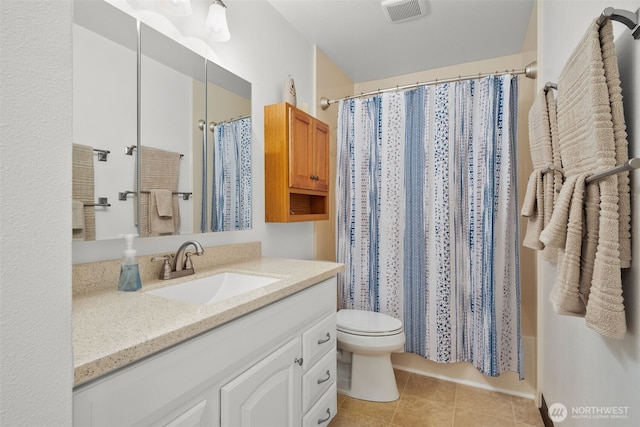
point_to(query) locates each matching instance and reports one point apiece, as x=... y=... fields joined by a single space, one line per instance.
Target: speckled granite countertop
x=112 y=329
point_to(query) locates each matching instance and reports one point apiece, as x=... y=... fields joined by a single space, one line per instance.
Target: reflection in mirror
x=172 y=79
x=104 y=118
x=177 y=89
x=229 y=178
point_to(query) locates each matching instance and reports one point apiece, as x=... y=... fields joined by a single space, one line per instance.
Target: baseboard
x=464 y=382
x=544 y=413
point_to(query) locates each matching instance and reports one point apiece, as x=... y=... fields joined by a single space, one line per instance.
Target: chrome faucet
x=182 y=265
x=178 y=263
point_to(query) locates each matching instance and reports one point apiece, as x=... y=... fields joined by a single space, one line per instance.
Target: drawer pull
x=324 y=420
x=324 y=380
x=325 y=340
x=298 y=361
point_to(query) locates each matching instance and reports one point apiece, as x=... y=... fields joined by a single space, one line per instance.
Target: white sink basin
x=216 y=288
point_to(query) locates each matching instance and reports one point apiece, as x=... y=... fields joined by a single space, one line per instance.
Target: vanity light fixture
x=217 y=22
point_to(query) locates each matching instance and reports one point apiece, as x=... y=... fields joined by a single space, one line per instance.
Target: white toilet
x=365 y=342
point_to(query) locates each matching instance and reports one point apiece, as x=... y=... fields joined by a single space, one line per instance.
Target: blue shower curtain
x=231 y=194
x=427 y=217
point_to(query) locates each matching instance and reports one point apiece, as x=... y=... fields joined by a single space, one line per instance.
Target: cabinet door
x=267 y=394
x=192 y=417
x=320 y=157
x=300 y=149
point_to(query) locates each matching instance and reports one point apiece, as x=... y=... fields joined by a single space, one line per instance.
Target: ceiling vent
x=403 y=10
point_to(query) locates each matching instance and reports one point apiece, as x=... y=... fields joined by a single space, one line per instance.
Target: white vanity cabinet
x=275 y=366
x=267 y=393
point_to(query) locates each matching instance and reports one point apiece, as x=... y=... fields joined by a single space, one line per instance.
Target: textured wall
x=35 y=188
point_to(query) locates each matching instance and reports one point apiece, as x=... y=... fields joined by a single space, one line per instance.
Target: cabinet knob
x=298 y=361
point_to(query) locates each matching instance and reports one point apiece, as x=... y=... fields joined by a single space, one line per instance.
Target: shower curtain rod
x=529 y=71
x=233 y=119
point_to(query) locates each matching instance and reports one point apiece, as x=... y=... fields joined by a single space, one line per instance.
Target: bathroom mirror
x=229 y=151
x=185 y=102
x=172 y=101
x=104 y=117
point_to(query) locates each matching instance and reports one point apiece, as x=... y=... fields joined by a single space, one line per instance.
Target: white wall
x=264 y=49
x=35 y=186
x=578 y=367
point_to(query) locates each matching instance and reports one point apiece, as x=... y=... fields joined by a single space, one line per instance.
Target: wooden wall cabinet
x=296 y=147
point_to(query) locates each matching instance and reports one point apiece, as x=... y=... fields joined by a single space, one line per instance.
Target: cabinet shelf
x=296 y=165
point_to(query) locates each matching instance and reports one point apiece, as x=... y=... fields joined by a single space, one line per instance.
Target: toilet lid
x=362 y=322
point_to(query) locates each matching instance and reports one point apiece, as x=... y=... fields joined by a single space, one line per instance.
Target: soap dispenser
x=129 y=271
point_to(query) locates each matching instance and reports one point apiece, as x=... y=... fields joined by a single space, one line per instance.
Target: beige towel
x=77 y=220
x=587 y=146
x=161 y=212
x=159 y=170
x=83 y=189
x=540 y=196
x=612 y=77
x=533 y=209
x=552 y=180
x=555 y=233
x=565 y=295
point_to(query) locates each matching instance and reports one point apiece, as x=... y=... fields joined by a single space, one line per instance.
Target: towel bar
x=633 y=163
x=102 y=154
x=102 y=202
x=630 y=19
x=128 y=150
x=123 y=195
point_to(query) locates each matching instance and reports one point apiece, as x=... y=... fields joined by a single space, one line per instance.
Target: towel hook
x=129 y=150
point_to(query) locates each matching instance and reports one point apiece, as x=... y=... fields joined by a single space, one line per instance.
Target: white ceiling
x=357 y=37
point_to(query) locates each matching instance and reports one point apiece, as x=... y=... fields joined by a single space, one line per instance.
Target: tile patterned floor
x=430 y=402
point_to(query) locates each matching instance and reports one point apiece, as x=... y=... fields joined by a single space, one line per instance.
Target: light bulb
x=217 y=22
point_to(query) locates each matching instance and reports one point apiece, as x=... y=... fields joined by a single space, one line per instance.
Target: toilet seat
x=367 y=323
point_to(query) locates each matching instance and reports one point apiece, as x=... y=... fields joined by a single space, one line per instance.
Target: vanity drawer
x=318 y=379
x=318 y=340
x=324 y=410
